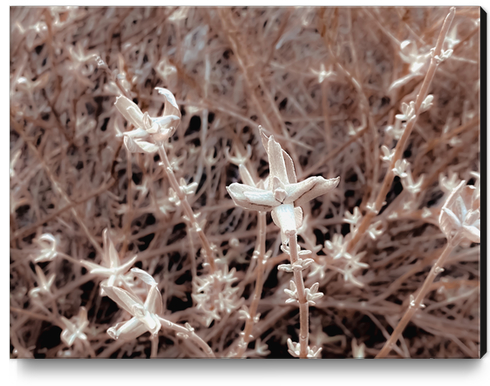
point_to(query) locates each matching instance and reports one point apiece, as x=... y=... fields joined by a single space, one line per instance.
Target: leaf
x=171 y=107
x=144 y=276
x=252 y=198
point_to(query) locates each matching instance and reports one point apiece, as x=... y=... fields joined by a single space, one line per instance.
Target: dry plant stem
x=89 y=348
x=186 y=206
x=57 y=185
x=154 y=346
x=192 y=336
x=258 y=286
x=412 y=309
x=243 y=66
x=129 y=202
x=24 y=231
x=400 y=146
x=34 y=315
x=303 y=304
x=326 y=122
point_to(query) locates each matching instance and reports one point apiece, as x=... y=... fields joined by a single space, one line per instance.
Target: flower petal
x=123 y=268
x=264 y=138
x=165 y=122
x=472 y=233
x=154 y=302
x=170 y=108
x=131 y=145
x=302 y=192
x=298 y=216
x=68 y=337
x=450 y=202
x=123 y=298
x=290 y=171
x=152 y=323
x=468 y=196
x=96 y=269
x=245 y=175
x=284 y=217
x=110 y=250
x=252 y=198
x=144 y=276
x=129 y=110
x=277 y=166
x=139 y=146
x=127 y=330
x=137 y=133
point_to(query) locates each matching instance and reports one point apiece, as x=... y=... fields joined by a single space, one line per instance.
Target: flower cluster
x=214 y=294
x=294 y=350
x=283 y=194
x=460 y=215
x=149 y=132
x=112 y=269
x=145 y=315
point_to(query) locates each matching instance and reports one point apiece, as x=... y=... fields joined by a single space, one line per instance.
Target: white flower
x=292 y=292
x=427 y=103
x=156 y=130
x=411 y=186
x=354 y=219
x=323 y=74
x=349 y=271
x=442 y=57
x=312 y=294
x=318 y=269
x=461 y=214
x=261 y=348
x=408 y=112
x=410 y=54
x=358 y=350
x=337 y=248
x=111 y=267
x=188 y=190
x=400 y=168
x=238 y=159
x=47 y=242
x=352 y=131
x=74 y=328
x=43 y=284
x=371 y=207
x=244 y=314
x=375 y=230
x=284 y=195
x=145 y=315
x=387 y=154
x=294 y=349
x=214 y=294
x=303 y=262
x=449 y=183
x=395 y=131
x=299 y=265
